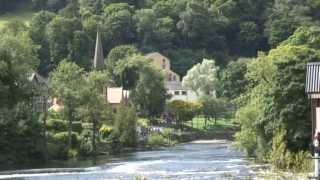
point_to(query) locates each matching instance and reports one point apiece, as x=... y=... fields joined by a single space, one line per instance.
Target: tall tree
x=93 y=102
x=202 y=78
x=66 y=83
x=285 y=17
x=60 y=33
x=37 y=31
x=119 y=24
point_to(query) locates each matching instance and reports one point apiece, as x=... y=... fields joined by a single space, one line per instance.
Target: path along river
x=214 y=159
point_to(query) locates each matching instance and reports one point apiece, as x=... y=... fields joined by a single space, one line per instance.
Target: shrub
x=105 y=131
x=85 y=143
x=62 y=138
x=125 y=127
x=77 y=126
x=168 y=133
x=156 y=141
x=57 y=145
x=282 y=158
x=144 y=123
x=72 y=153
x=57 y=125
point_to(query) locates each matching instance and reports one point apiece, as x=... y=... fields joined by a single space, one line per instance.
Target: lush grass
x=222 y=129
x=199 y=124
x=20 y=15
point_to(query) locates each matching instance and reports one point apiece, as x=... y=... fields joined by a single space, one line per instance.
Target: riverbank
x=214 y=159
x=208 y=159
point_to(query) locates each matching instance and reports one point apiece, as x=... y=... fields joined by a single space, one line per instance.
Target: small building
x=178 y=92
x=115 y=96
x=163 y=63
x=40 y=89
x=313 y=91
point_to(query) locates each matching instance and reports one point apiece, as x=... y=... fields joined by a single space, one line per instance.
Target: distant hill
x=16 y=10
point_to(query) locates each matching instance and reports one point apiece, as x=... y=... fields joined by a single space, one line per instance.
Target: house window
x=184 y=93
x=176 y=93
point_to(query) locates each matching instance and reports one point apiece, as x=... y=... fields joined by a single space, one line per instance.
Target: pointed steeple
x=98 y=62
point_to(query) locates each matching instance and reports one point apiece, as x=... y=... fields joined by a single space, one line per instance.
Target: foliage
x=213 y=108
x=232 y=81
x=65 y=83
x=145 y=123
x=124 y=131
x=57 y=125
x=105 y=131
x=183 y=111
x=156 y=141
x=268 y=104
x=147 y=84
x=202 y=78
x=62 y=138
x=284 y=159
x=20 y=129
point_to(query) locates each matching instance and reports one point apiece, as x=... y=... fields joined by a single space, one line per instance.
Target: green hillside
x=25 y=16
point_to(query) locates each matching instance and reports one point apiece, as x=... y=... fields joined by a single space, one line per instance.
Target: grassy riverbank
x=220 y=129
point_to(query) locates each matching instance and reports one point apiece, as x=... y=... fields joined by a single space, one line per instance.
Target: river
x=214 y=159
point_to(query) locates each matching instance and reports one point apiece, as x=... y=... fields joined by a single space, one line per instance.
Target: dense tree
x=17 y=60
x=202 y=78
x=268 y=107
x=93 y=103
x=125 y=127
x=232 y=82
x=213 y=108
x=149 y=95
x=154 y=33
x=120 y=53
x=60 y=34
x=65 y=83
x=119 y=25
x=147 y=84
x=285 y=17
x=37 y=31
x=183 y=111
x=199 y=27
x=21 y=135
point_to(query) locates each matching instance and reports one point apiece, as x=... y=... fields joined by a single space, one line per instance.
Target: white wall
x=190 y=96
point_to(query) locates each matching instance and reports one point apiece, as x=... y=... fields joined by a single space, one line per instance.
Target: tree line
x=185 y=31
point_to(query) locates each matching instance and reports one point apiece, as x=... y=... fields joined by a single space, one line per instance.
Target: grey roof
x=36 y=78
x=98 y=62
x=313 y=78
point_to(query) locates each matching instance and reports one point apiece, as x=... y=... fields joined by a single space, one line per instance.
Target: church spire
x=98 y=62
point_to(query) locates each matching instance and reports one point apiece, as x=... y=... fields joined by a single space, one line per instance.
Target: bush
x=282 y=158
x=72 y=153
x=86 y=143
x=125 y=127
x=105 y=131
x=57 y=125
x=77 y=126
x=62 y=138
x=144 y=123
x=156 y=141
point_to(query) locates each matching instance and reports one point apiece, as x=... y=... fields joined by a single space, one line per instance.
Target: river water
x=196 y=160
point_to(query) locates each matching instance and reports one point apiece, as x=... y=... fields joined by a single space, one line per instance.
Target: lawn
x=199 y=123
x=21 y=15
